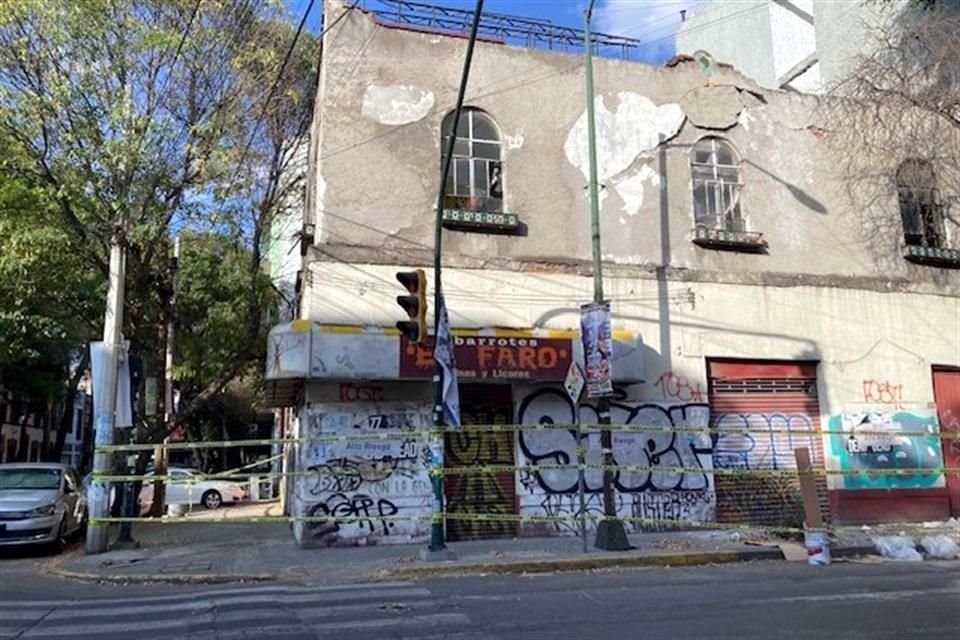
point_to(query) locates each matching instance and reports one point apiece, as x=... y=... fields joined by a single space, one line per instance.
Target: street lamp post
x=611 y=535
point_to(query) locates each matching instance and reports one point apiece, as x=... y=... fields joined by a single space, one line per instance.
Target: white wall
x=875 y=351
x=739 y=33
x=364 y=490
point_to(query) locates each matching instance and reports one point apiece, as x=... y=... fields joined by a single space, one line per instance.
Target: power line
x=273 y=90
x=710 y=23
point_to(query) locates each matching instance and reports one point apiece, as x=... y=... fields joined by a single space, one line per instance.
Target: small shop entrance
x=479 y=492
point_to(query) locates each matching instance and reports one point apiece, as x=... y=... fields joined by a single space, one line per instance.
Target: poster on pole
x=597 y=348
x=443 y=353
x=573 y=383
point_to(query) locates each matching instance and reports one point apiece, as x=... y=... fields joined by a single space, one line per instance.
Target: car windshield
x=25 y=478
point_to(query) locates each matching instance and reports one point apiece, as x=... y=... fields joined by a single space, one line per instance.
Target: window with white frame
x=715 y=168
x=475 y=182
x=921 y=211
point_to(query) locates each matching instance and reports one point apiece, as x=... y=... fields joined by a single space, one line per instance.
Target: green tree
x=160 y=117
x=50 y=304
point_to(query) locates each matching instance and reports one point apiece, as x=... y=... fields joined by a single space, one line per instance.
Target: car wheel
x=81 y=531
x=60 y=542
x=212 y=499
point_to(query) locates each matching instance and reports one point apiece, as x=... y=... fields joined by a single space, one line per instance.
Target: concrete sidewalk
x=186 y=552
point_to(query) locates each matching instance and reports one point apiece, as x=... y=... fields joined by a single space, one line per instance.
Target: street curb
x=165 y=578
x=594 y=562
x=55 y=569
x=608 y=562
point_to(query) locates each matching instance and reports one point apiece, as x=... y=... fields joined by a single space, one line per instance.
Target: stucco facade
x=830 y=288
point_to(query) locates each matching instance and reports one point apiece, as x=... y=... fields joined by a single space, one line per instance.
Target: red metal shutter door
x=760 y=412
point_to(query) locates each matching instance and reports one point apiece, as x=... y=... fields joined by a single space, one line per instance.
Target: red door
x=946 y=393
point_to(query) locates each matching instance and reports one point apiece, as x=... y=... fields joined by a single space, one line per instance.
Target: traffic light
x=415 y=304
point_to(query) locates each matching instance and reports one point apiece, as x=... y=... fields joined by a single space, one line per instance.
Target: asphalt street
x=874 y=600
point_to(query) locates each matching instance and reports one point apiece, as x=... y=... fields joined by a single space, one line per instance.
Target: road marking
x=861 y=595
x=264 y=631
x=201 y=602
x=191 y=595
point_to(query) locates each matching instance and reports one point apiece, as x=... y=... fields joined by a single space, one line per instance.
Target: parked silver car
x=40 y=503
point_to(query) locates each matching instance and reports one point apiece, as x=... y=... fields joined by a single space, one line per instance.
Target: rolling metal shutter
x=479 y=492
x=776 y=404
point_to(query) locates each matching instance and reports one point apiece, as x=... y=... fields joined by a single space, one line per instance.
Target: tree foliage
x=147 y=119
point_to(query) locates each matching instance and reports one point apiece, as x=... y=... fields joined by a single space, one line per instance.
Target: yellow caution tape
x=582 y=429
x=492 y=469
x=652 y=523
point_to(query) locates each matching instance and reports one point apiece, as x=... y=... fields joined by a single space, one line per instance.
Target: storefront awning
x=302 y=350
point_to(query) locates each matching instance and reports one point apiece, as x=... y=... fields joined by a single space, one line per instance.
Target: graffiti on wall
x=674 y=483
x=355 y=487
x=881 y=441
x=673 y=386
x=883 y=392
x=481 y=491
x=762 y=440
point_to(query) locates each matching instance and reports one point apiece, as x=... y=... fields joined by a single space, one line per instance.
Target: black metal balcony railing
x=541 y=34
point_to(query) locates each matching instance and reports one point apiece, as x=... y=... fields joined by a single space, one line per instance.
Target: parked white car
x=40 y=503
x=187 y=486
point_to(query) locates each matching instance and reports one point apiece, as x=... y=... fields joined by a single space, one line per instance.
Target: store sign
x=492 y=358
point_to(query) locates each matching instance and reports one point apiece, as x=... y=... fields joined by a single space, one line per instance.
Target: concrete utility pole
x=437 y=538
x=160 y=453
x=105 y=397
x=611 y=535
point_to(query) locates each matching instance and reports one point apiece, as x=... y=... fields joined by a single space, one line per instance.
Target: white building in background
x=799 y=45
x=77 y=443
x=282 y=250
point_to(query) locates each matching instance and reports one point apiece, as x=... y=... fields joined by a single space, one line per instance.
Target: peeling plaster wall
x=396 y=105
x=378 y=159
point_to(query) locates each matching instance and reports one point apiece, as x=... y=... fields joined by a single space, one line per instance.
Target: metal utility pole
x=437 y=541
x=611 y=535
x=105 y=397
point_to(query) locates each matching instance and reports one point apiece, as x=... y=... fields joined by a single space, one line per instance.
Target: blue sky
x=654 y=22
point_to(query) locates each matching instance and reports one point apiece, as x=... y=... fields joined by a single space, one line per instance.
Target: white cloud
x=651 y=21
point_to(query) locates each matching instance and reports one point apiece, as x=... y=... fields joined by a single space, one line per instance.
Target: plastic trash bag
x=897 y=548
x=940 y=547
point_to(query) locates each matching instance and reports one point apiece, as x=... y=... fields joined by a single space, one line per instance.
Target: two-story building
x=750 y=290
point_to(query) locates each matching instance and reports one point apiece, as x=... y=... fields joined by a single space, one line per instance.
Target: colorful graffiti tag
x=873 y=442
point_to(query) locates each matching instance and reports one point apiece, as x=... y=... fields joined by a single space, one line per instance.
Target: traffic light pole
x=611 y=535
x=437 y=541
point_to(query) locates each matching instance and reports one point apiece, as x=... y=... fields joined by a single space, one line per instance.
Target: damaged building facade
x=750 y=290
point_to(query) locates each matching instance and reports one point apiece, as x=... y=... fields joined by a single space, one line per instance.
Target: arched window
x=920 y=209
x=475 y=182
x=715 y=167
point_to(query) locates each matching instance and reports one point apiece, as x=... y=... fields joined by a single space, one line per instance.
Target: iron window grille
x=921 y=208
x=715 y=168
x=475 y=182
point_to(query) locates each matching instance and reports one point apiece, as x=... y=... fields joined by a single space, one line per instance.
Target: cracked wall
x=377 y=161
